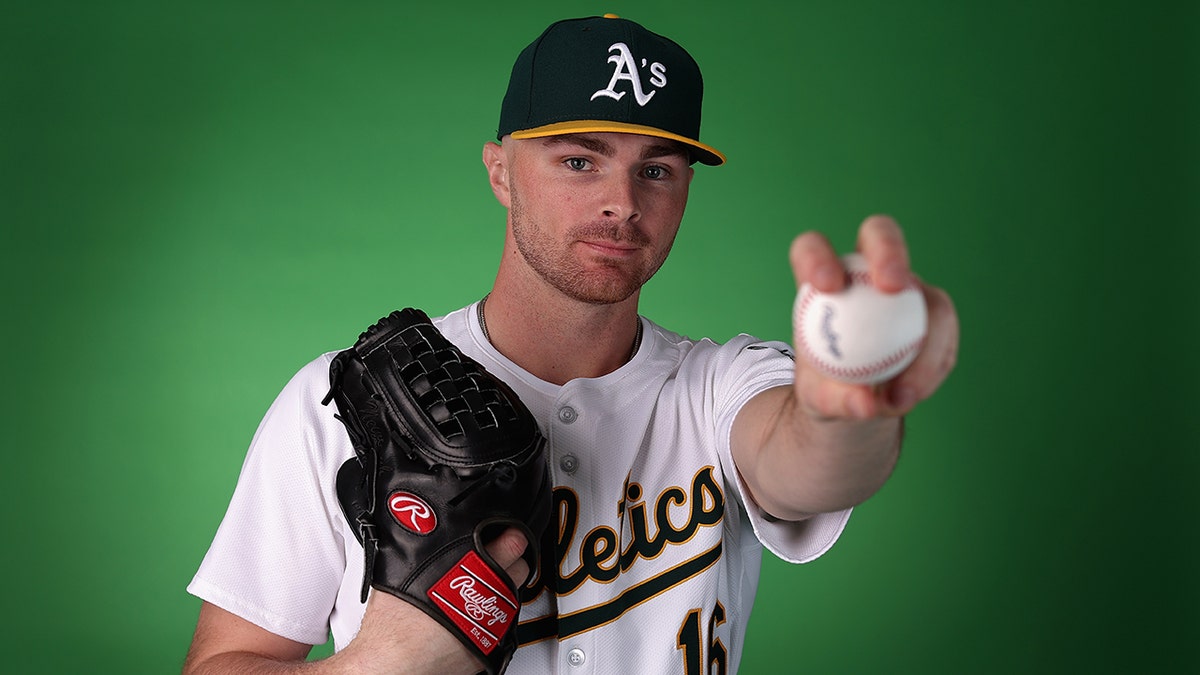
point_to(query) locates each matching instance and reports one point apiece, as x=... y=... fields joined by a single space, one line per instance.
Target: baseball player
x=672 y=462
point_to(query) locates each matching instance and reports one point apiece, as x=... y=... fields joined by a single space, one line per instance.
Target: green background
x=191 y=197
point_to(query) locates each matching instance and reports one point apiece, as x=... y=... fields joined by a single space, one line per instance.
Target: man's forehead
x=606 y=142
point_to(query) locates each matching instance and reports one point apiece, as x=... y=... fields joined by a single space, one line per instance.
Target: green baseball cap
x=605 y=73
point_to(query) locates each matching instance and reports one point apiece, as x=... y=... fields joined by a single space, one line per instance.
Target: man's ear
x=496 y=162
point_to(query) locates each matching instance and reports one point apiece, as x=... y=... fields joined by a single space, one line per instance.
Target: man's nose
x=620 y=198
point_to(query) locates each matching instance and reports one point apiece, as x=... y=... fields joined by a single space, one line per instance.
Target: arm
x=395 y=636
x=821 y=445
x=227 y=643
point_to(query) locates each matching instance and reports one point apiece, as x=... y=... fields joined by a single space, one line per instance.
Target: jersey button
x=569 y=463
x=567 y=415
x=576 y=657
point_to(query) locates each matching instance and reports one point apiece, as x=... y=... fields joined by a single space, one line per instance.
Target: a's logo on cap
x=627 y=70
x=412 y=512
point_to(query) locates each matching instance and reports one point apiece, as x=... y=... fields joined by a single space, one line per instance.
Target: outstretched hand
x=881 y=242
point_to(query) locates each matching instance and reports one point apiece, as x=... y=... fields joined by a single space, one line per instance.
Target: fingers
x=507 y=550
x=881 y=243
x=815 y=262
x=938 y=356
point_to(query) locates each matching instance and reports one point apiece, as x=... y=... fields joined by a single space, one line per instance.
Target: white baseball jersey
x=657 y=544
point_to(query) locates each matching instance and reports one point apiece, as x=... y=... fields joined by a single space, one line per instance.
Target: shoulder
x=307 y=387
x=708 y=354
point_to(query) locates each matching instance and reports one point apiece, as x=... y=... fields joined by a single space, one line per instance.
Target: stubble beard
x=556 y=264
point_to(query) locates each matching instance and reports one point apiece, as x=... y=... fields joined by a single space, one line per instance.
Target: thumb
x=507 y=550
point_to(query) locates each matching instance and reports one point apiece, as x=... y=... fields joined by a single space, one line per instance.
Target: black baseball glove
x=446 y=458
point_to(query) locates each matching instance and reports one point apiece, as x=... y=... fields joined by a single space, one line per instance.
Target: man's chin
x=610 y=290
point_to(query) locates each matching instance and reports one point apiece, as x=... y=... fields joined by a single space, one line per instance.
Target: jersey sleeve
x=279 y=554
x=747 y=368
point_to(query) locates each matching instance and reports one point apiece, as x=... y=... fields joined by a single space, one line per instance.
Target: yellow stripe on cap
x=599 y=126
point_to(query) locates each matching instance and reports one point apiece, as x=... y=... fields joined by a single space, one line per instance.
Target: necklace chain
x=637 y=337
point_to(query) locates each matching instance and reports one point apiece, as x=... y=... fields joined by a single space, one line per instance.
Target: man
x=674 y=461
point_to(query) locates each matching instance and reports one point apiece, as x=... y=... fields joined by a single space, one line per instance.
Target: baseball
x=860 y=334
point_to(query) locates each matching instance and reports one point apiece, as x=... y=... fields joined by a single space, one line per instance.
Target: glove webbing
x=444 y=387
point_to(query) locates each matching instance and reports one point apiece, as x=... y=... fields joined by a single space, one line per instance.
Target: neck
x=559 y=339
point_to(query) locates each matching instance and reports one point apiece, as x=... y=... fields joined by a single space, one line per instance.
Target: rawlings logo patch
x=412 y=512
x=477 y=601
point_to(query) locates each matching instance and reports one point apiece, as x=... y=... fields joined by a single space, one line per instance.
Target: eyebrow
x=666 y=149
x=601 y=147
x=588 y=142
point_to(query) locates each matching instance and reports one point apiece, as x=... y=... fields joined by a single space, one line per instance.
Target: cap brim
x=705 y=154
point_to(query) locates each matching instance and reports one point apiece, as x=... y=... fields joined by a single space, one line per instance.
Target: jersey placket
x=574 y=464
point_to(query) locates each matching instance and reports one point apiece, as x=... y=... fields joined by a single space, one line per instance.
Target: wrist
x=397 y=636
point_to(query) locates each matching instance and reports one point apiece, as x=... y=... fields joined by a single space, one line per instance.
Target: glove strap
x=370 y=545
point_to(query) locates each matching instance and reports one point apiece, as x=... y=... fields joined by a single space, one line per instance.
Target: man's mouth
x=611 y=248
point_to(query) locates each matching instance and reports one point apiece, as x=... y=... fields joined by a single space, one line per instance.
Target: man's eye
x=655 y=172
x=577 y=163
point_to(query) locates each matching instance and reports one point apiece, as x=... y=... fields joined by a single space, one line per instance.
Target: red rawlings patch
x=412 y=512
x=477 y=601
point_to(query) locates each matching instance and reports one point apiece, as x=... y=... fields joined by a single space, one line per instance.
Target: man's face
x=595 y=215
